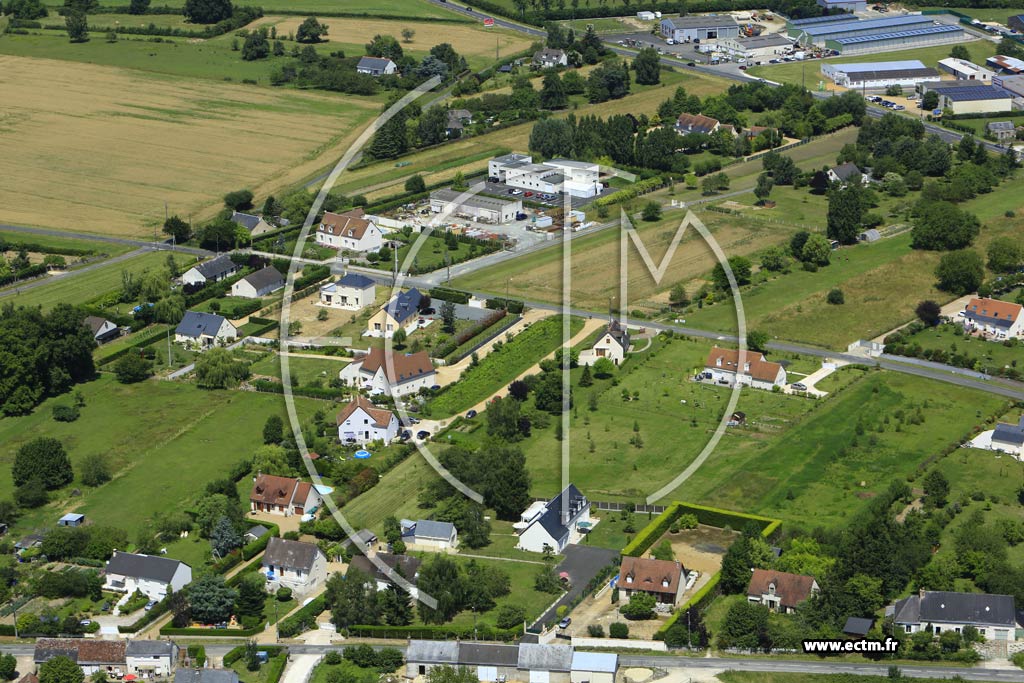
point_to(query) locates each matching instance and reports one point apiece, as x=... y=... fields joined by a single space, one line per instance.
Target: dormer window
x=629 y=578
x=771 y=589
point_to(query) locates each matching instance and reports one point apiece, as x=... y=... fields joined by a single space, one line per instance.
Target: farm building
x=699 y=27
x=1014 y=84
x=1005 y=65
x=486 y=209
x=763 y=46
x=819 y=33
x=875 y=75
x=972 y=97
x=939 y=34
x=964 y=70
x=847 y=5
x=817 y=21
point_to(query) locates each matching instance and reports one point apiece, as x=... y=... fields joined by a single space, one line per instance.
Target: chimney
x=920 y=593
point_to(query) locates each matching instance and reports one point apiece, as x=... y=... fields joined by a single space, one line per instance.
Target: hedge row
x=34 y=246
x=485 y=336
x=159 y=609
x=37 y=270
x=482 y=632
x=511 y=305
x=632 y=191
x=212 y=632
x=446 y=294
x=143 y=338
x=263 y=325
x=699 y=599
x=715 y=517
x=275 y=667
x=303 y=620
x=256 y=547
x=270 y=387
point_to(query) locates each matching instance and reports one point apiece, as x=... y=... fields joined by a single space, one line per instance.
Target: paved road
x=106 y=238
x=582 y=563
x=16 y=290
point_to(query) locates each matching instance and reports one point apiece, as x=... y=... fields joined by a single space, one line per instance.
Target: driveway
x=582 y=563
x=299 y=668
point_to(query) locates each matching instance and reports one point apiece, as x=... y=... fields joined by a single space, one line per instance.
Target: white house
x=780 y=591
x=490 y=663
x=664 y=579
x=102 y=329
x=376 y=66
x=204 y=329
x=843 y=173
x=994 y=616
x=91 y=655
x=428 y=534
x=349 y=230
x=294 y=564
x=613 y=345
x=352 y=292
x=549 y=58
x=151 y=658
x=576 y=178
x=391 y=374
x=153 y=576
x=362 y=422
x=722 y=366
x=254 y=225
x=992 y=318
x=283 y=496
x=554 y=524
x=1009 y=438
x=258 y=284
x=213 y=270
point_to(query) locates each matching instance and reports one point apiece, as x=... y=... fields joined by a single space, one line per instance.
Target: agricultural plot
x=72 y=128
x=412 y=9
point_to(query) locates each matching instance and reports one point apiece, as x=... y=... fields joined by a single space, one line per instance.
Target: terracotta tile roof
x=696 y=123
x=792 y=589
x=404 y=367
x=273 y=490
x=650 y=575
x=380 y=416
x=82 y=651
x=348 y=224
x=760 y=369
x=993 y=309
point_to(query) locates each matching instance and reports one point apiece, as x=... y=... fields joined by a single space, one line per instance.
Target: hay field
x=472 y=41
x=100 y=149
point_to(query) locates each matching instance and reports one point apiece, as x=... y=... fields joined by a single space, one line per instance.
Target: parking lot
x=552 y=200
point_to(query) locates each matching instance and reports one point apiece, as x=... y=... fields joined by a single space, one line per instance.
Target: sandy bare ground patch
x=100 y=149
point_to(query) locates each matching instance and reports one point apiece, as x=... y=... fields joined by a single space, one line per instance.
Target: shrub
x=332 y=657
x=836 y=297
x=284 y=594
x=595 y=630
x=618 y=630
x=62 y=413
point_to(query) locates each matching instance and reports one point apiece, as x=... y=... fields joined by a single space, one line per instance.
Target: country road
x=106 y=238
x=71 y=273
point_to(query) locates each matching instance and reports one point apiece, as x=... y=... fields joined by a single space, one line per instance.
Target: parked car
x=150 y=605
x=516 y=192
x=691 y=64
x=898 y=107
x=564 y=623
x=471 y=414
x=798 y=386
x=743 y=67
x=422 y=434
x=528 y=194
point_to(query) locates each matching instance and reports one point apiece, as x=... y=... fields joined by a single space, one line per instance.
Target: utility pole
x=168 y=348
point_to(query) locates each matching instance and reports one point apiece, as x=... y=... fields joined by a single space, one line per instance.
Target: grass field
x=394 y=495
x=77 y=289
x=411 y=9
x=989 y=355
x=71 y=135
x=305 y=369
x=107 y=248
x=165 y=440
x=1000 y=14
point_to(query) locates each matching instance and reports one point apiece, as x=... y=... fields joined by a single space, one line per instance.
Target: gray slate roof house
x=356 y=281
x=256 y=533
x=857 y=626
x=427 y=530
x=405 y=305
x=483 y=654
x=196 y=324
x=254 y=225
x=101 y=328
x=549 y=57
x=376 y=66
x=150 y=648
x=1010 y=433
x=843 y=172
x=936 y=608
x=143 y=566
x=263 y=281
x=183 y=675
x=363 y=538
x=84 y=652
x=218 y=268
x=292 y=555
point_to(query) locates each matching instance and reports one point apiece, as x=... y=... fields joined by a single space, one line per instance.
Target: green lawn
x=1000 y=14
x=989 y=355
x=165 y=441
x=395 y=495
x=399 y=8
x=80 y=288
x=107 y=248
x=306 y=370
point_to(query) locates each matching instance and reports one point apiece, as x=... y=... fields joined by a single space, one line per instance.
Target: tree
x=224 y=537
x=394 y=606
x=310 y=31
x=640 y=606
x=218 y=369
x=138 y=6
x=618 y=630
x=451 y=674
x=239 y=200
x=256 y=46
x=207 y=11
x=943 y=226
x=745 y=626
x=586 y=379
x=177 y=229
x=385 y=46
x=713 y=183
x=763 y=188
x=573 y=83
x=677 y=296
x=928 y=312
x=398 y=338
x=930 y=100
x=60 y=669
x=1005 y=255
x=133 y=367
x=647 y=65
x=552 y=93
x=736 y=566
x=960 y=52
x=552 y=137
x=77 y=27
x=774 y=259
x=845 y=211
x=210 y=600
x=448 y=317
x=440 y=578
x=252 y=595
x=415 y=184
x=45 y=460
x=95 y=470
x=31 y=494
x=936 y=489
x=271 y=459
x=511 y=616
x=273 y=430
x=741 y=270
x=351 y=599
x=407 y=34
x=894 y=185
x=817 y=250
x=836 y=297
x=26 y=9
x=8 y=667
x=960 y=272
x=603 y=368
x=651 y=211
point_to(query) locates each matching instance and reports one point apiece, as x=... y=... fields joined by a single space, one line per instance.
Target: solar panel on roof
x=966 y=93
x=931 y=30
x=820 y=20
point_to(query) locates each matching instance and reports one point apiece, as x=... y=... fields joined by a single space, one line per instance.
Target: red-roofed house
x=394 y=374
x=994 y=318
x=722 y=366
x=780 y=591
x=664 y=579
x=283 y=495
x=362 y=422
x=350 y=231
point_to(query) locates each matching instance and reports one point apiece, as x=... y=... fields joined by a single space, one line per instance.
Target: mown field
x=412 y=9
x=1000 y=14
x=166 y=440
x=11 y=237
x=109 y=147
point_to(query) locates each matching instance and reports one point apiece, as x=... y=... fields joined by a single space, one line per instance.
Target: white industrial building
x=475 y=207
x=575 y=178
x=845 y=5
x=938 y=34
x=817 y=34
x=764 y=46
x=972 y=97
x=964 y=70
x=879 y=75
x=699 y=28
x=818 y=21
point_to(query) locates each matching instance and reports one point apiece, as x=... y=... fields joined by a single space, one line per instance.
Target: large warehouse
x=847 y=5
x=764 y=46
x=964 y=70
x=940 y=34
x=816 y=21
x=698 y=27
x=819 y=33
x=972 y=97
x=879 y=75
x=486 y=209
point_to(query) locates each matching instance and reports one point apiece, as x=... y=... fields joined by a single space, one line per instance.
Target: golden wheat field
x=100 y=149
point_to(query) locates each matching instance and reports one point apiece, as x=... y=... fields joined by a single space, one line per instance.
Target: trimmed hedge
x=482 y=338
x=275 y=667
x=512 y=305
x=262 y=326
x=237 y=652
x=466 y=335
x=256 y=547
x=142 y=338
x=446 y=294
x=482 y=632
x=715 y=517
x=302 y=620
x=35 y=246
x=159 y=609
x=212 y=632
x=699 y=599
